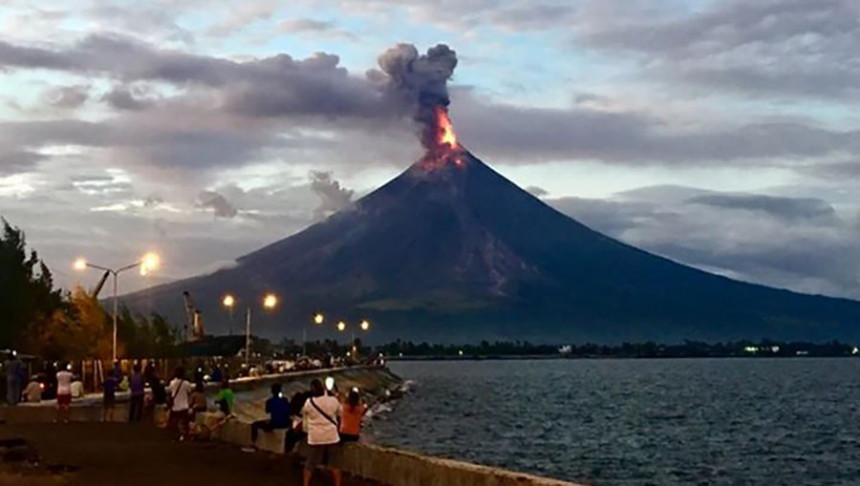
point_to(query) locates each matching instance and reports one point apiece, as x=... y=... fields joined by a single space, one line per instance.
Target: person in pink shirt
x=321 y=414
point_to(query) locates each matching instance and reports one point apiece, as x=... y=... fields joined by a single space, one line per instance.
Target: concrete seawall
x=380 y=464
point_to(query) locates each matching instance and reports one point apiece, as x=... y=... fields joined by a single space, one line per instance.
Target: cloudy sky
x=721 y=133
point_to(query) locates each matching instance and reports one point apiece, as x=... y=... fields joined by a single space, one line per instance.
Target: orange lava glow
x=446 y=129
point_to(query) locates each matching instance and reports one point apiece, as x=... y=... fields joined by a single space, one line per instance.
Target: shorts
x=320 y=455
x=178 y=417
x=64 y=400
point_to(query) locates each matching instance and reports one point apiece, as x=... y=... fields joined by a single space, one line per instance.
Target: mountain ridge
x=450 y=251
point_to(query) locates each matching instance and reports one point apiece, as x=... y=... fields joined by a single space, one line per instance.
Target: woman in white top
x=179 y=401
x=64 y=392
x=320 y=415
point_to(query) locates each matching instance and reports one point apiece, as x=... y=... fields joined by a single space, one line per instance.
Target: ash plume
x=218 y=204
x=420 y=81
x=333 y=196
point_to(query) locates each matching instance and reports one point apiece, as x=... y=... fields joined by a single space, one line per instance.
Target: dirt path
x=139 y=454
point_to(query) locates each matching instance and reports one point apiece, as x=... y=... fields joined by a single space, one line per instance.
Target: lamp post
x=229 y=301
x=318 y=320
x=364 y=325
x=270 y=301
x=149 y=262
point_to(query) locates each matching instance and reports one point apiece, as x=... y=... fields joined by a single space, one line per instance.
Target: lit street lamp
x=364 y=325
x=270 y=301
x=147 y=264
x=318 y=320
x=229 y=301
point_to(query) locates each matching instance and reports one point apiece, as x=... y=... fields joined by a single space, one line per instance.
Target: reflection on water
x=637 y=422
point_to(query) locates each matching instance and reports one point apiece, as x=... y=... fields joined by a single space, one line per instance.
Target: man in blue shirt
x=278 y=409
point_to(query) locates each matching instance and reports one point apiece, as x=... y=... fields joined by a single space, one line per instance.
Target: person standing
x=179 y=394
x=353 y=413
x=109 y=397
x=64 y=392
x=14 y=372
x=135 y=404
x=320 y=414
x=198 y=400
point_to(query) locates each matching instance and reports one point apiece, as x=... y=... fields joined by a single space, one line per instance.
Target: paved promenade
x=140 y=454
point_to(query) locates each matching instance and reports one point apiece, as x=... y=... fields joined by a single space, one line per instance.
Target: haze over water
x=637 y=422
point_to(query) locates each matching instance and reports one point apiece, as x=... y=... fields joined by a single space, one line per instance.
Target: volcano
x=451 y=251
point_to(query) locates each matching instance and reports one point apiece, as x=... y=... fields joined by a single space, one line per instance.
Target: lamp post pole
x=148 y=263
x=248 y=336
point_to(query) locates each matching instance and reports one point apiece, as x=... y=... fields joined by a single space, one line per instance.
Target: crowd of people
x=321 y=417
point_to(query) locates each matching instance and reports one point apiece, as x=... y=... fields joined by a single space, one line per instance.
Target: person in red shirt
x=353 y=413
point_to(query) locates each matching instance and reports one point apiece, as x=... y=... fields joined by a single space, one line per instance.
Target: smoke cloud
x=421 y=82
x=219 y=205
x=333 y=197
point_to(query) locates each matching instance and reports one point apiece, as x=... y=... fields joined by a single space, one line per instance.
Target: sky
x=719 y=133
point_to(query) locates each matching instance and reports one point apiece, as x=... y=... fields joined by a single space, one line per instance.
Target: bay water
x=637 y=421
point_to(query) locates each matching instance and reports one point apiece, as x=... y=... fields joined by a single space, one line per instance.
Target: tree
x=80 y=330
x=27 y=295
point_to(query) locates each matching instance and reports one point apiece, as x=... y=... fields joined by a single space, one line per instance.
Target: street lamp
x=364 y=325
x=318 y=320
x=147 y=264
x=270 y=301
x=229 y=301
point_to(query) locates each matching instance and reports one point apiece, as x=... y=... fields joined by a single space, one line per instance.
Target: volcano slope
x=451 y=251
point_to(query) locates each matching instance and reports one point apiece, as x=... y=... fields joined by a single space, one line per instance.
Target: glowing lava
x=446 y=129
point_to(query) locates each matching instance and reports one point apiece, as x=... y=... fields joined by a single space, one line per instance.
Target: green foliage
x=79 y=330
x=145 y=338
x=27 y=296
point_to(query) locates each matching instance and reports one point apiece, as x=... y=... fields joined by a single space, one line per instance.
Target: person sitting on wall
x=33 y=392
x=279 y=414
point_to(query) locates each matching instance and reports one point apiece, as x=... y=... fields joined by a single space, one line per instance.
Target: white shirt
x=64 y=383
x=77 y=389
x=320 y=430
x=180 y=391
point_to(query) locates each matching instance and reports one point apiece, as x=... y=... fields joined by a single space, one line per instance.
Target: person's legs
x=132 y=406
x=183 y=425
x=256 y=426
x=315 y=457
x=15 y=391
x=337 y=474
x=10 y=392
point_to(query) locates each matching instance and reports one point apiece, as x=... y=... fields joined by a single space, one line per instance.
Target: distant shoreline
x=597 y=357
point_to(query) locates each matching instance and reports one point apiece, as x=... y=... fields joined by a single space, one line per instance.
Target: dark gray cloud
x=796 y=243
x=218 y=204
x=272 y=86
x=67 y=97
x=787 y=208
x=835 y=171
x=16 y=162
x=325 y=28
x=517 y=134
x=537 y=191
x=122 y=98
x=784 y=47
x=333 y=197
